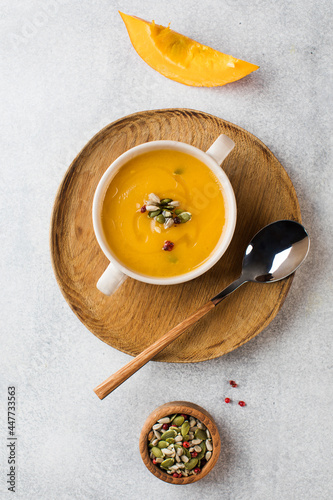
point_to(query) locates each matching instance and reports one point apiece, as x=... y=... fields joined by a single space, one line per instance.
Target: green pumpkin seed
x=191 y=464
x=178 y=211
x=173 y=428
x=178 y=420
x=165 y=201
x=162 y=444
x=179 y=171
x=157 y=452
x=177 y=446
x=185 y=428
x=170 y=441
x=200 y=434
x=187 y=453
x=171 y=433
x=154 y=213
x=186 y=437
x=167 y=463
x=172 y=418
x=201 y=454
x=160 y=219
x=185 y=216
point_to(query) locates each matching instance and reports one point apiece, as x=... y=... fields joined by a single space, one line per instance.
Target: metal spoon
x=274 y=253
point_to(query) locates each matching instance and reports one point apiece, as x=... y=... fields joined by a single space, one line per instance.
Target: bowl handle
x=110 y=280
x=220 y=149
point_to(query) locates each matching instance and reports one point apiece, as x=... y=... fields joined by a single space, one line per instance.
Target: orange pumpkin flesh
x=181 y=59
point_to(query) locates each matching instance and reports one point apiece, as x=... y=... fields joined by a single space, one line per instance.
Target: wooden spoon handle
x=111 y=383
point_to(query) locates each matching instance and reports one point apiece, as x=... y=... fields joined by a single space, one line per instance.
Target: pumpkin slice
x=181 y=59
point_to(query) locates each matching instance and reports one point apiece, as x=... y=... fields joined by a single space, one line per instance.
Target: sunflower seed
x=184 y=459
x=157 y=435
x=196 y=441
x=197 y=449
x=154 y=198
x=209 y=445
x=177 y=458
x=152 y=208
x=178 y=439
x=199 y=424
x=174 y=203
x=154 y=442
x=167 y=452
x=193 y=422
x=159 y=460
x=168 y=223
x=208 y=455
x=208 y=433
x=164 y=420
x=157 y=426
x=191 y=450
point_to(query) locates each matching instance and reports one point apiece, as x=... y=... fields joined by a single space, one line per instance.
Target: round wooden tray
x=137 y=313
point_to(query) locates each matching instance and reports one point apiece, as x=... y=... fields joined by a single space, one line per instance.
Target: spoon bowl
x=275 y=252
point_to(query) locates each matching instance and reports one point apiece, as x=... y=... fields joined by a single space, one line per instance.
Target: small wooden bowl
x=188 y=409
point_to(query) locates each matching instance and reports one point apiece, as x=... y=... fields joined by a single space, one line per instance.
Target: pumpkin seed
x=157 y=452
x=186 y=453
x=200 y=434
x=167 y=463
x=178 y=211
x=179 y=171
x=162 y=444
x=165 y=201
x=191 y=464
x=172 y=418
x=160 y=219
x=178 y=420
x=185 y=216
x=185 y=428
x=170 y=440
x=154 y=213
x=171 y=433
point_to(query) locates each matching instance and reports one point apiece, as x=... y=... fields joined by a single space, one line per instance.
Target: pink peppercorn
x=241 y=403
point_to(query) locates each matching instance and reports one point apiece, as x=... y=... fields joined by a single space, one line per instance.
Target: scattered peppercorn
x=143 y=209
x=227 y=400
x=168 y=246
x=241 y=403
x=177 y=220
x=232 y=383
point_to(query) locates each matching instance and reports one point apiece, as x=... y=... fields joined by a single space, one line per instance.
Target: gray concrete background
x=68 y=69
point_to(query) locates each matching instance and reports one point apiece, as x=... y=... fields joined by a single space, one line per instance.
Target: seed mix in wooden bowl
x=180 y=445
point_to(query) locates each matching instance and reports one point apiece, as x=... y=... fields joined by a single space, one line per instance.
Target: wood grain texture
x=115 y=380
x=188 y=409
x=137 y=314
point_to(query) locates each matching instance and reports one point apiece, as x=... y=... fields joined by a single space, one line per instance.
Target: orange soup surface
x=139 y=241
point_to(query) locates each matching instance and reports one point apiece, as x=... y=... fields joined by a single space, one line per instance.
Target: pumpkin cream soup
x=163 y=213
